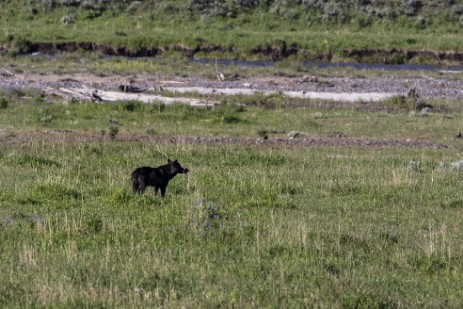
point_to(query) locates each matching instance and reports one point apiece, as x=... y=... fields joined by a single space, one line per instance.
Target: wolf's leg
x=163 y=191
x=135 y=185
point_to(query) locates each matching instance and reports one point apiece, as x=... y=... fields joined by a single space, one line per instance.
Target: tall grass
x=249 y=226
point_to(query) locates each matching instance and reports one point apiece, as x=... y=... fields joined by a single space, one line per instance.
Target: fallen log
x=87 y=94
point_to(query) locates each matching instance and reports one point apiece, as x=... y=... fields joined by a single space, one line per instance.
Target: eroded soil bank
x=270 y=52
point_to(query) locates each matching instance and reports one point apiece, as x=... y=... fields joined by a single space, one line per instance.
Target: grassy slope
x=153 y=26
x=251 y=227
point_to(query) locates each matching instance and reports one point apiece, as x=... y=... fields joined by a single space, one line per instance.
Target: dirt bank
x=271 y=52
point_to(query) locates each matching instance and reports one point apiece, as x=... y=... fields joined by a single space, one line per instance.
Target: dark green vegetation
x=250 y=226
x=377 y=31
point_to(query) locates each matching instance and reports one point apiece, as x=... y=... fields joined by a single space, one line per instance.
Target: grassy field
x=248 y=227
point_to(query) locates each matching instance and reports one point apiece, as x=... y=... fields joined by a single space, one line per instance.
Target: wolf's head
x=176 y=167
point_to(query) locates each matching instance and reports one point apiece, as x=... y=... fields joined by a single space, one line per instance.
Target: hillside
x=407 y=31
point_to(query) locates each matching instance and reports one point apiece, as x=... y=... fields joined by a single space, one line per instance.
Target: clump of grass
x=400 y=102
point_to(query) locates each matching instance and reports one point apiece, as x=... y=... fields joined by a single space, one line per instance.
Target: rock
x=220 y=76
x=309 y=79
x=295 y=134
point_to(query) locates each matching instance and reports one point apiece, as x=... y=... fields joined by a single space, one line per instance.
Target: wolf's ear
x=169 y=161
x=175 y=161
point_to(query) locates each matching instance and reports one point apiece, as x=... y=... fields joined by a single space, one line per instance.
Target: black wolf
x=157 y=177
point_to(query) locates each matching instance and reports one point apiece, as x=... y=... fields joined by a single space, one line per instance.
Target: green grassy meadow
x=248 y=227
x=253 y=225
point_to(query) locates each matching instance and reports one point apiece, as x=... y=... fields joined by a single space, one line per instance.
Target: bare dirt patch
x=335 y=141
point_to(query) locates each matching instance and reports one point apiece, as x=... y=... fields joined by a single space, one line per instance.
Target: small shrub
x=131 y=106
x=230 y=119
x=425 y=112
x=420 y=22
x=32 y=10
x=206 y=216
x=113 y=131
x=46 y=119
x=16 y=92
x=113 y=122
x=263 y=134
x=88 y=5
x=364 y=22
x=3 y=103
x=150 y=131
x=397 y=58
x=415 y=165
x=133 y=6
x=68 y=19
x=458 y=165
x=456 y=10
x=70 y=2
x=454 y=204
x=442 y=166
x=295 y=134
x=410 y=7
x=94 y=225
x=92 y=14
